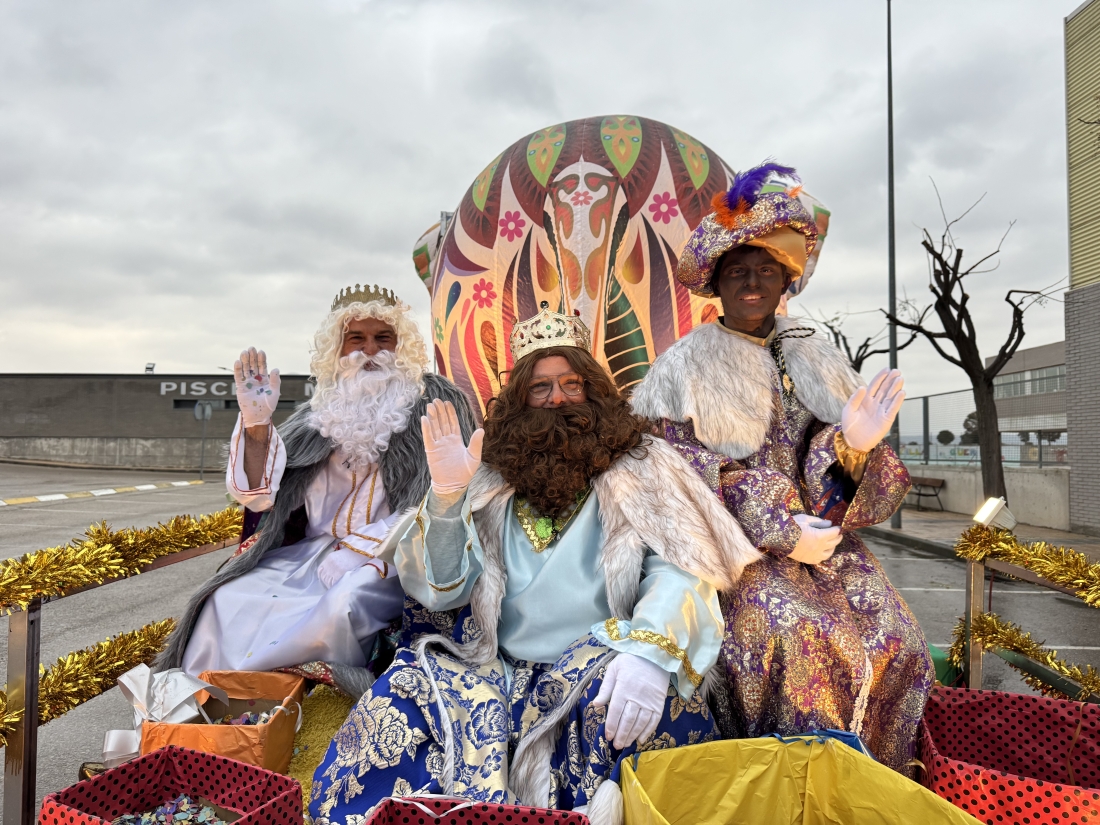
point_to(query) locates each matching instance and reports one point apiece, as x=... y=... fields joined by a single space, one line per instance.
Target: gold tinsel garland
x=993 y=633
x=80 y=676
x=102 y=554
x=1061 y=565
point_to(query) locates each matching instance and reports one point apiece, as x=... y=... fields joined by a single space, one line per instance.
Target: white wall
x=1038 y=496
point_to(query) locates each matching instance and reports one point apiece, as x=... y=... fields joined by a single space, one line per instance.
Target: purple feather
x=746 y=185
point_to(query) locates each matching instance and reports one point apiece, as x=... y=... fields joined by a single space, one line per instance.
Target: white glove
x=337 y=563
x=257 y=390
x=871 y=410
x=818 y=541
x=637 y=690
x=451 y=462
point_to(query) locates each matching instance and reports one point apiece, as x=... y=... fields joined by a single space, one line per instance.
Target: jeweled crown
x=363 y=295
x=549 y=329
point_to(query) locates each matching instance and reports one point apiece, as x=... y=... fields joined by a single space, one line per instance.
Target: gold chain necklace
x=542 y=530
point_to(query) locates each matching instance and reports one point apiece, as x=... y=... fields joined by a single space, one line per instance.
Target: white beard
x=366 y=407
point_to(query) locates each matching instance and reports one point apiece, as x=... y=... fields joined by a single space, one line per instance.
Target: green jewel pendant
x=544 y=528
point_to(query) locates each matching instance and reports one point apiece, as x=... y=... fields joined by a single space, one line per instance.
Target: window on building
x=1030 y=382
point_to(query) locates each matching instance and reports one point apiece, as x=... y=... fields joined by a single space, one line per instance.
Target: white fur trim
x=725 y=385
x=606 y=806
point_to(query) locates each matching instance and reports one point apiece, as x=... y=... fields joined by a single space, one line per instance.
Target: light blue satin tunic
x=557 y=596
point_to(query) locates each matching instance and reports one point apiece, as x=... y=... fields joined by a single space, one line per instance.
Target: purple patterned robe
x=800 y=640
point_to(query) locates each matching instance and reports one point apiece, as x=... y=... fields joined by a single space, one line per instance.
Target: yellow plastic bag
x=803 y=782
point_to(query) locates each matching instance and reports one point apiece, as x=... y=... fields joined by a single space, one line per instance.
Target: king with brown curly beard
x=566 y=565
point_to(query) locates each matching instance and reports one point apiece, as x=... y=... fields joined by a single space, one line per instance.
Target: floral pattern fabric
x=393 y=742
x=800 y=641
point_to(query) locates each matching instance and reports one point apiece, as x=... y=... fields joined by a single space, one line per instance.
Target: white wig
x=324 y=364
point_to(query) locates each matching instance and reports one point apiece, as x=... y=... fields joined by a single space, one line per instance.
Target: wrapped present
x=444 y=810
x=1011 y=757
x=255 y=795
x=793 y=781
x=254 y=717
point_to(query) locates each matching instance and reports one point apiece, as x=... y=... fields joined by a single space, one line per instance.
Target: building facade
x=1082 y=44
x=145 y=421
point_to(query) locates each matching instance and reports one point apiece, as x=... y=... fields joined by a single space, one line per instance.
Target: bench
x=927 y=488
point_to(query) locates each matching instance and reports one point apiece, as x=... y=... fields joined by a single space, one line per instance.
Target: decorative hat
x=361 y=295
x=775 y=221
x=549 y=329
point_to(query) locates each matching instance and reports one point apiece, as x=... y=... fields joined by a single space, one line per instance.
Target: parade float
x=590 y=216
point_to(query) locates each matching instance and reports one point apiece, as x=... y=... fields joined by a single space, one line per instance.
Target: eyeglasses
x=571 y=384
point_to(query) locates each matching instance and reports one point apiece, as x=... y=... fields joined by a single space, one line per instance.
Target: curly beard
x=366 y=407
x=549 y=455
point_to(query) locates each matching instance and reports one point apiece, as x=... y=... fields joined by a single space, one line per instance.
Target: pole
x=202 y=450
x=927 y=433
x=21 y=754
x=895 y=430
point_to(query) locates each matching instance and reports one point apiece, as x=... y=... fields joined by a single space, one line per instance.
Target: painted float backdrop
x=589 y=215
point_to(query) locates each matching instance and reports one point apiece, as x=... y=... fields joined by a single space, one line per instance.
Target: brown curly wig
x=551 y=454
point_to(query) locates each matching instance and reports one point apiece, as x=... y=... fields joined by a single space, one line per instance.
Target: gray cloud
x=178 y=181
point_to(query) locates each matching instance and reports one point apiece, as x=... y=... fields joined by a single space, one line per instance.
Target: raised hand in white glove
x=257 y=390
x=871 y=410
x=634 y=690
x=451 y=462
x=818 y=541
x=337 y=563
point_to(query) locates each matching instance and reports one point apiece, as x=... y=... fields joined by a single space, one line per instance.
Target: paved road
x=87 y=618
x=932 y=586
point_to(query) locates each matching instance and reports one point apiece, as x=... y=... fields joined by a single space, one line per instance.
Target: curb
x=937 y=548
x=109 y=491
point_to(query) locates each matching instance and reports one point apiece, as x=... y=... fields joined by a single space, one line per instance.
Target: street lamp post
x=895 y=431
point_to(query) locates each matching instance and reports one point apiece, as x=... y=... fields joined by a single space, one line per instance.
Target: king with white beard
x=307 y=592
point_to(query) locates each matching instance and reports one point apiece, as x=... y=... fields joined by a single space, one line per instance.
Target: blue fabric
x=392 y=743
x=848 y=738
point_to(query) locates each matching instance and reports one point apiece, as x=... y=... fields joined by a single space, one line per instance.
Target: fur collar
x=727 y=385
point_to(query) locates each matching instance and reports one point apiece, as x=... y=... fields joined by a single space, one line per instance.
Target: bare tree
x=947 y=283
x=857 y=357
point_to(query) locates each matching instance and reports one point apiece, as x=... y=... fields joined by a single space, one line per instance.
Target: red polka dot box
x=1011 y=757
x=259 y=795
x=441 y=810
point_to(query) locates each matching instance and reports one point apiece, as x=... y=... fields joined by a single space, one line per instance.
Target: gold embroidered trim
x=420 y=517
x=649 y=637
x=347 y=546
x=852 y=460
x=449 y=587
x=543 y=530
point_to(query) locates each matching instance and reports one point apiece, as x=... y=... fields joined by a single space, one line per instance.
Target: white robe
x=279 y=614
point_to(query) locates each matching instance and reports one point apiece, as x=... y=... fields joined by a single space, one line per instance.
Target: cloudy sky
x=181 y=180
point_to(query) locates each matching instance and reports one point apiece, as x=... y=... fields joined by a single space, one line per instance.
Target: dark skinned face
x=750 y=283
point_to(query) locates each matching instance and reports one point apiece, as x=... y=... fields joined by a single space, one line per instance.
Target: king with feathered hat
x=790 y=439
x=309 y=591
x=565 y=568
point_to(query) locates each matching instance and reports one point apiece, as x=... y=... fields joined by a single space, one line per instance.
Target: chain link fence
x=1031 y=418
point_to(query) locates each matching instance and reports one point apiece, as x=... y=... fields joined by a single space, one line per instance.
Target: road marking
x=108 y=491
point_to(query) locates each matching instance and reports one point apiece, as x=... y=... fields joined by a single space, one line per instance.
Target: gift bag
x=1011 y=757
x=270 y=745
x=798 y=781
x=260 y=796
x=445 y=810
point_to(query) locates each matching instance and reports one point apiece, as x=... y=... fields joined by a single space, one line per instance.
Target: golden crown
x=549 y=329
x=361 y=295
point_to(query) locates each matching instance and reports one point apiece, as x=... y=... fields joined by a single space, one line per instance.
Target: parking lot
x=932 y=585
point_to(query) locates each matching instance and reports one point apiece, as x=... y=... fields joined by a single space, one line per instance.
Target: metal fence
x=1031 y=418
